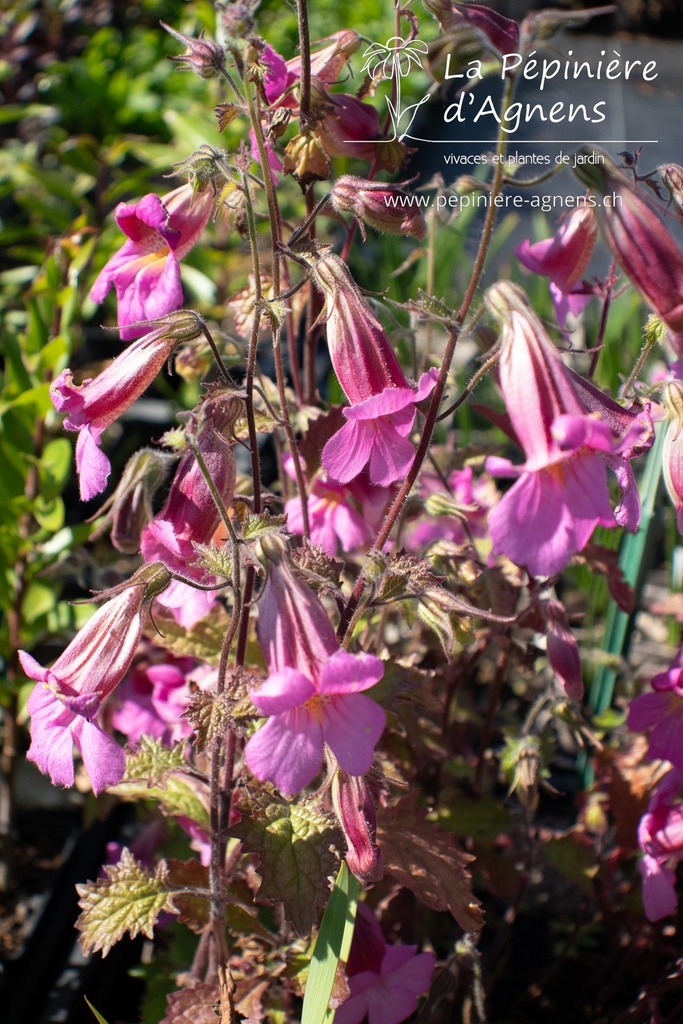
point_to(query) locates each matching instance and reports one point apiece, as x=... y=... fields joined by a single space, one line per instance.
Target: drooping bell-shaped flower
x=382 y=409
x=501 y=32
x=561 y=495
x=146 y=271
x=563 y=650
x=638 y=240
x=190 y=515
x=64 y=705
x=94 y=405
x=563 y=258
x=313 y=696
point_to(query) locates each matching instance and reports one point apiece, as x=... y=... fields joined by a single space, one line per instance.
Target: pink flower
x=672 y=452
x=385 y=982
x=145 y=271
x=639 y=241
x=662 y=711
x=570 y=433
x=355 y=810
x=475 y=496
x=65 y=703
x=339 y=516
x=95 y=404
x=190 y=517
x=383 y=403
x=660 y=837
x=313 y=695
x=564 y=258
x=152 y=699
x=501 y=32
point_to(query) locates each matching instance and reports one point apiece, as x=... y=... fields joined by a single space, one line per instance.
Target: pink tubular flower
x=564 y=258
x=355 y=810
x=312 y=696
x=382 y=205
x=569 y=432
x=383 y=403
x=65 y=703
x=145 y=271
x=385 y=982
x=501 y=32
x=662 y=711
x=672 y=452
x=153 y=697
x=639 y=241
x=95 y=404
x=190 y=516
x=660 y=837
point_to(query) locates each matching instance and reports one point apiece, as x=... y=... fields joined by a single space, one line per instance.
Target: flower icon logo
x=394 y=60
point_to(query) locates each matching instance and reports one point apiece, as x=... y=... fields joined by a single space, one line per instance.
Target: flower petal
x=282 y=691
x=287 y=750
x=350 y=673
x=351 y=726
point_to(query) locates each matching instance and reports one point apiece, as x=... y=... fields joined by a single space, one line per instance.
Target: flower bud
x=457 y=49
x=638 y=240
x=202 y=56
x=501 y=32
x=672 y=179
x=563 y=650
x=384 y=207
x=129 y=509
x=355 y=810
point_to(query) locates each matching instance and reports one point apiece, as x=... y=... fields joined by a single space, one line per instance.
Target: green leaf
x=98 y=1016
x=39 y=599
x=179 y=797
x=209 y=714
x=263 y=523
x=428 y=861
x=204 y=641
x=153 y=762
x=55 y=467
x=294 y=845
x=331 y=947
x=128 y=900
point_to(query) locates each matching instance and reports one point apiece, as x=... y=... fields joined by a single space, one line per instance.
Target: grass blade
x=332 y=945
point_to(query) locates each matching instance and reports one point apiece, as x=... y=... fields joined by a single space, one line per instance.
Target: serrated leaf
x=153 y=762
x=331 y=946
x=209 y=714
x=193 y=1005
x=428 y=861
x=216 y=561
x=294 y=844
x=203 y=641
x=180 y=797
x=264 y=522
x=127 y=901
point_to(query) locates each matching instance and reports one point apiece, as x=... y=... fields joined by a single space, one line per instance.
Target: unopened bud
x=672 y=179
x=454 y=52
x=204 y=168
x=129 y=509
x=355 y=810
x=384 y=207
x=521 y=761
x=202 y=56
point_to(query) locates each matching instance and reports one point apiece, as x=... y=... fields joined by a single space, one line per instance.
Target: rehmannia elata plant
x=319 y=676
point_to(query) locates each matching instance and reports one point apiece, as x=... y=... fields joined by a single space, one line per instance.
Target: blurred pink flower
x=662 y=711
x=385 y=982
x=145 y=271
x=660 y=837
x=153 y=697
x=564 y=258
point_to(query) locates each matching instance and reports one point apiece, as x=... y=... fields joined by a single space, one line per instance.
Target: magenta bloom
x=92 y=406
x=660 y=837
x=570 y=433
x=564 y=258
x=313 y=695
x=146 y=271
x=501 y=32
x=563 y=650
x=152 y=699
x=190 y=516
x=65 y=703
x=339 y=515
x=385 y=982
x=662 y=711
x=382 y=401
